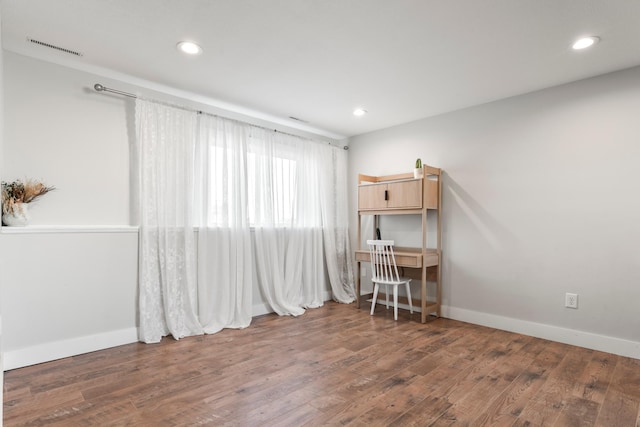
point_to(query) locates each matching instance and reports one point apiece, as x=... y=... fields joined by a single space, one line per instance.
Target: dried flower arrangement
x=17 y=193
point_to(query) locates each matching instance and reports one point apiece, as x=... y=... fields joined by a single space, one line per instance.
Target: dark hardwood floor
x=332 y=366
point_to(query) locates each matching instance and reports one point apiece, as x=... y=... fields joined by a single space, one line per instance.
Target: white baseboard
x=72 y=347
x=260 y=309
x=66 y=348
x=589 y=340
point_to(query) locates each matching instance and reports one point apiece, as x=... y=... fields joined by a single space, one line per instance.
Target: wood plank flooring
x=335 y=365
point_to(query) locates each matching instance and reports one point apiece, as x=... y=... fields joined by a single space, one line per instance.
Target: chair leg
x=409 y=297
x=376 y=287
x=395 y=303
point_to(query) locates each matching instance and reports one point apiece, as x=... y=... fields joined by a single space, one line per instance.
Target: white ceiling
x=319 y=59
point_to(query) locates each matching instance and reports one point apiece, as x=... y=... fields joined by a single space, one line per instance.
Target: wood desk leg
x=423 y=312
x=357 y=285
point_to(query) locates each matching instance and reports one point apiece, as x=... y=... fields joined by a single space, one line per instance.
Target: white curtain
x=167 y=264
x=335 y=224
x=287 y=218
x=229 y=176
x=225 y=258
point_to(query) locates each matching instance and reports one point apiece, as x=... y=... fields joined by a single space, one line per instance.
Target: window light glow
x=585 y=42
x=359 y=112
x=189 y=48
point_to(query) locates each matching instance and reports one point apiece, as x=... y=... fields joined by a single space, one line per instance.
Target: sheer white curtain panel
x=225 y=258
x=287 y=220
x=167 y=260
x=335 y=223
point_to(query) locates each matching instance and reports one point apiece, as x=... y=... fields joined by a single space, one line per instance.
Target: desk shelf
x=405 y=195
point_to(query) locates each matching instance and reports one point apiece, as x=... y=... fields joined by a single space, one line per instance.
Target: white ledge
x=42 y=229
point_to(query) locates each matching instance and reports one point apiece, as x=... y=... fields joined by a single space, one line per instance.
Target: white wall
x=69 y=284
x=540 y=198
x=61 y=131
x=67 y=292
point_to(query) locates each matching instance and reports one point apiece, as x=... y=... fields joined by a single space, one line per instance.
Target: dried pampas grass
x=17 y=192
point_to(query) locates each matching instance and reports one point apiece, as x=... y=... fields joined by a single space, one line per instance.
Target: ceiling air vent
x=298 y=120
x=52 y=46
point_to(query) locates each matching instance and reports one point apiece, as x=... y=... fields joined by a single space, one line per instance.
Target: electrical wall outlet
x=571 y=300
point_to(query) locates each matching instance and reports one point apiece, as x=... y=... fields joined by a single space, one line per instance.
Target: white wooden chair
x=385 y=272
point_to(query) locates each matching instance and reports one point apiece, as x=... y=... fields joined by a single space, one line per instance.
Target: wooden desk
x=406 y=257
x=405 y=194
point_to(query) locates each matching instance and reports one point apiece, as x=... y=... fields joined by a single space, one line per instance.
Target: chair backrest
x=383 y=261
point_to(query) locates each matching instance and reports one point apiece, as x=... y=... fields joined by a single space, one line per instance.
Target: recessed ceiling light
x=359 y=112
x=585 y=42
x=189 y=48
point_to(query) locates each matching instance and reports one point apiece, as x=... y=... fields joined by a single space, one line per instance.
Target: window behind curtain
x=275 y=172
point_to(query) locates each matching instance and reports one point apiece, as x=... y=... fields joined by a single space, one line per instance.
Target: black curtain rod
x=100 y=88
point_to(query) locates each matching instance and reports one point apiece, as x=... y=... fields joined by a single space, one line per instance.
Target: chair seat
x=400 y=281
